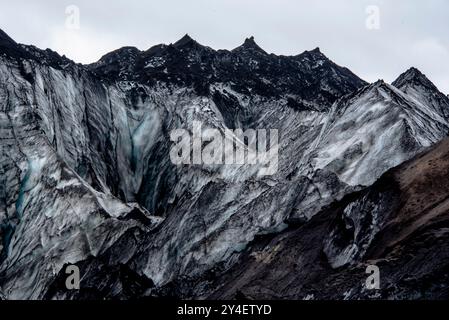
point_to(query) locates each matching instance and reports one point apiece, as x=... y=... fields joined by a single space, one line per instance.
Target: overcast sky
x=405 y=33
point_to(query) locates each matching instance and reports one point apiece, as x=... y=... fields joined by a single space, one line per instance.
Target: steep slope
x=377 y=128
x=109 y=124
x=424 y=92
x=309 y=80
x=400 y=224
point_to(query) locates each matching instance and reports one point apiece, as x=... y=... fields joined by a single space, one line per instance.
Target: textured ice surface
x=86 y=176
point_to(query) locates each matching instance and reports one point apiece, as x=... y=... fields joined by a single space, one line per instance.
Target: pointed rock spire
x=314 y=55
x=250 y=42
x=186 y=40
x=249 y=45
x=413 y=77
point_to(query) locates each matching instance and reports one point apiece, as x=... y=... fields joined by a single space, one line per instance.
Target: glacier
x=86 y=176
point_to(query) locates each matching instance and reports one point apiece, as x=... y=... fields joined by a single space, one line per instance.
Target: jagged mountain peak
x=380 y=83
x=413 y=77
x=412 y=72
x=118 y=63
x=186 y=41
x=315 y=51
x=249 y=45
x=415 y=84
x=379 y=88
x=9 y=47
x=15 y=50
x=313 y=55
x=200 y=66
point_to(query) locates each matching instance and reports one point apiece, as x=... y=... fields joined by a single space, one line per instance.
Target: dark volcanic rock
x=9 y=47
x=309 y=79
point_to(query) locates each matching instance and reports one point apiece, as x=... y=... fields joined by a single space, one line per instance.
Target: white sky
x=412 y=32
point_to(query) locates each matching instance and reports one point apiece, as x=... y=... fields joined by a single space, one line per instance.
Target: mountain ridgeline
x=86 y=176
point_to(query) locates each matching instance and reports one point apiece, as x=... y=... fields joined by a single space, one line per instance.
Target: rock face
x=308 y=80
x=86 y=176
x=398 y=224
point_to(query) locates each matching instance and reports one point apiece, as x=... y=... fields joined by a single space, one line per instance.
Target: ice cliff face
x=86 y=176
x=398 y=224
